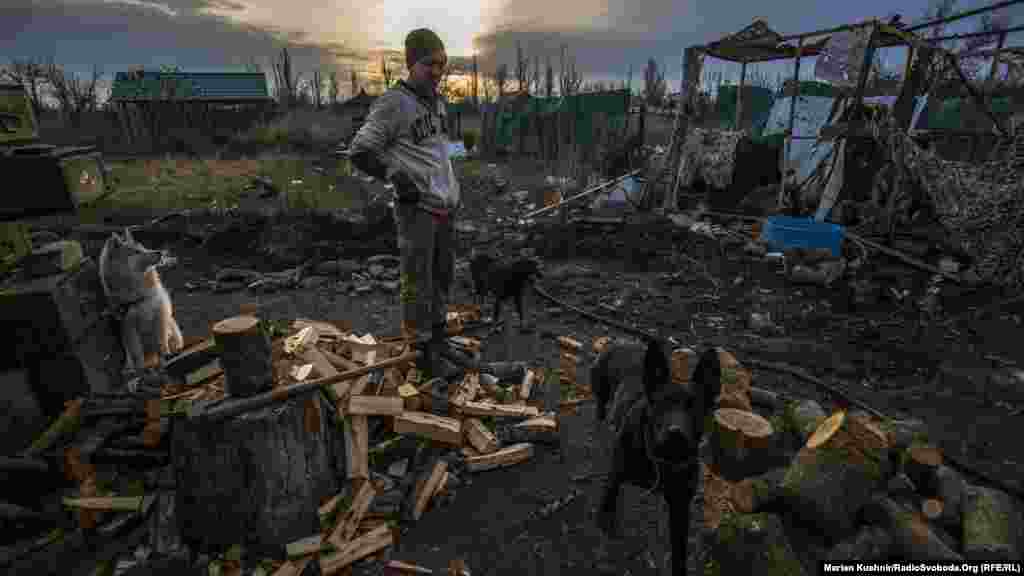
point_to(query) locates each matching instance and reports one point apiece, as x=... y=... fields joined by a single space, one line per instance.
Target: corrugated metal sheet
x=204 y=86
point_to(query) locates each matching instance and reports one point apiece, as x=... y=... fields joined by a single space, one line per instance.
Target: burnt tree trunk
x=255 y=479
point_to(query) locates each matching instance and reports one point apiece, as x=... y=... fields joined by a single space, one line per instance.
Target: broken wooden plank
x=480 y=436
x=428 y=488
x=106 y=503
x=375 y=405
x=498 y=410
x=305 y=546
x=349 y=523
x=358 y=437
x=433 y=427
x=507 y=456
x=367 y=544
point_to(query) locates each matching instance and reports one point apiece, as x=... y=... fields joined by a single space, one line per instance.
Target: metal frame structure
x=758 y=43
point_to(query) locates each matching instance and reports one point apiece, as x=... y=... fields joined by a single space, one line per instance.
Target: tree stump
x=834 y=474
x=255 y=479
x=804 y=417
x=913 y=537
x=990 y=526
x=743 y=442
x=245 y=355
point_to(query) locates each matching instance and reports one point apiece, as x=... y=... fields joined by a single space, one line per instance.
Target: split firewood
x=683 y=362
x=325 y=330
x=471 y=344
x=804 y=417
x=507 y=456
x=921 y=463
x=990 y=526
x=540 y=430
x=361 y=347
x=410 y=397
x=86 y=492
x=428 y=488
x=835 y=473
x=349 y=523
x=568 y=363
x=392 y=381
x=328 y=507
x=913 y=538
x=358 y=436
x=318 y=359
x=375 y=405
x=367 y=544
x=743 y=440
x=305 y=546
x=105 y=503
x=245 y=355
x=600 y=344
x=339 y=362
x=479 y=436
x=468 y=451
x=467 y=390
x=396 y=568
x=526 y=386
x=293 y=567
x=498 y=410
x=430 y=426
x=67 y=423
x=735 y=383
x=871 y=543
x=570 y=345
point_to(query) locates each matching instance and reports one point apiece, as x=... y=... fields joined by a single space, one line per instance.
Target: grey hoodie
x=410 y=135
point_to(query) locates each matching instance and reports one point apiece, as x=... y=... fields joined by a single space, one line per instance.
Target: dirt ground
x=941 y=374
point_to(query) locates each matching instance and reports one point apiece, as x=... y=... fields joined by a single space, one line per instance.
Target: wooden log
x=742 y=440
x=467 y=390
x=430 y=426
x=429 y=486
x=735 y=384
x=834 y=475
x=754 y=544
x=349 y=523
x=245 y=355
x=913 y=538
x=932 y=508
x=67 y=423
x=479 y=436
x=305 y=546
x=339 y=362
x=397 y=568
x=498 y=410
x=507 y=456
x=871 y=543
x=570 y=345
x=920 y=465
x=990 y=526
x=375 y=406
x=600 y=344
x=373 y=541
x=260 y=475
x=526 y=386
x=192 y=358
x=540 y=430
x=804 y=418
x=683 y=363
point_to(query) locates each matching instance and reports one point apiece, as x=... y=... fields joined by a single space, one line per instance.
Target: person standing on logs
x=405 y=140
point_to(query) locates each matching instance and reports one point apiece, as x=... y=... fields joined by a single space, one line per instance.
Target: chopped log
x=568 y=364
x=324 y=330
x=540 y=430
x=293 y=568
x=600 y=344
x=339 y=362
x=375 y=405
x=328 y=507
x=754 y=544
x=305 y=546
x=569 y=344
x=67 y=423
x=87 y=490
x=428 y=488
x=467 y=390
x=423 y=424
x=357 y=430
x=742 y=441
x=683 y=363
x=913 y=539
x=410 y=397
x=245 y=355
x=834 y=475
x=805 y=417
x=347 y=526
x=990 y=526
x=396 y=568
x=471 y=344
x=260 y=474
x=507 y=456
x=920 y=465
x=735 y=384
x=373 y=541
x=871 y=543
x=498 y=410
x=479 y=436
x=318 y=359
x=951 y=488
x=526 y=386
x=932 y=508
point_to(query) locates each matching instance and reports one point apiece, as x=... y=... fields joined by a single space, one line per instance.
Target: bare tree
x=501 y=78
x=549 y=79
x=654 y=83
x=285 y=82
x=476 y=82
x=354 y=82
x=32 y=75
x=332 y=87
x=522 y=68
x=74 y=94
x=571 y=80
x=317 y=88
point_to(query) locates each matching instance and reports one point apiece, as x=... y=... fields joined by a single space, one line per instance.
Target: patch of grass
x=167 y=185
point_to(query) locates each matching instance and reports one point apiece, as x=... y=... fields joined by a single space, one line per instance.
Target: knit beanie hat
x=421 y=43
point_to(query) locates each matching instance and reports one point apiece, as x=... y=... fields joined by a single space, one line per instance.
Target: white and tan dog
x=138 y=297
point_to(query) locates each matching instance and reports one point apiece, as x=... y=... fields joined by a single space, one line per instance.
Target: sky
x=606 y=37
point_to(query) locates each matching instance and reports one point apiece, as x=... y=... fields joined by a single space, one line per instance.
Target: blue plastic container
x=782 y=232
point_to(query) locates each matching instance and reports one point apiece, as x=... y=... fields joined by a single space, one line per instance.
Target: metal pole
x=671 y=200
x=739 y=95
x=792 y=119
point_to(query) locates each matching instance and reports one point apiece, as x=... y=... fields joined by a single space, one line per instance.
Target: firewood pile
x=796 y=484
x=406 y=444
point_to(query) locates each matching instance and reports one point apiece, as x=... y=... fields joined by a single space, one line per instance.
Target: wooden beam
x=792 y=118
x=739 y=95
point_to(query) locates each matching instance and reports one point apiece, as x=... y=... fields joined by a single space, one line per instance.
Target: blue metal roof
x=204 y=86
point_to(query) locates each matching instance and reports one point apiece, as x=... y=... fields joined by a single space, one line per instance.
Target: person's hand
x=405 y=188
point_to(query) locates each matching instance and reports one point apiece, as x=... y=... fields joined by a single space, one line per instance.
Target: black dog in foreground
x=503 y=279
x=658 y=426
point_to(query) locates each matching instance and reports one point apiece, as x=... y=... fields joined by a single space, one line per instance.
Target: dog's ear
x=656 y=369
x=707 y=380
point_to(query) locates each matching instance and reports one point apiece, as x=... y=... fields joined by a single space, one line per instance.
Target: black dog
x=658 y=426
x=503 y=279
